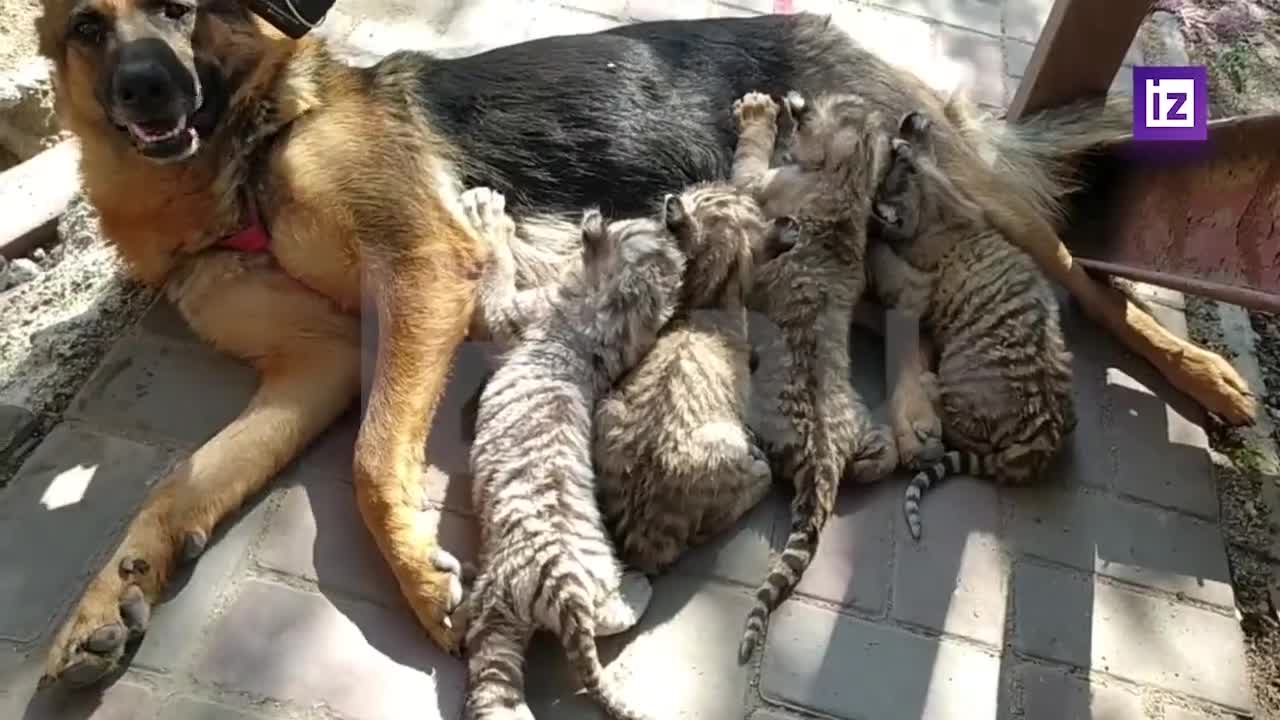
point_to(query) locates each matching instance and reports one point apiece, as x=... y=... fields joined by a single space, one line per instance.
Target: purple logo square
x=1171 y=103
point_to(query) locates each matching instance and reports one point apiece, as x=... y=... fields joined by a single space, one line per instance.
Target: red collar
x=253 y=237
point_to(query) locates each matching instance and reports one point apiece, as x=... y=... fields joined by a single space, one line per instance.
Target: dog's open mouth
x=169 y=139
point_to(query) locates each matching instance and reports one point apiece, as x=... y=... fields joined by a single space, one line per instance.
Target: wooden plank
x=1080 y=50
x=33 y=195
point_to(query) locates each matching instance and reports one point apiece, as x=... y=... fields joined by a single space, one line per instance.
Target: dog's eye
x=176 y=11
x=89 y=29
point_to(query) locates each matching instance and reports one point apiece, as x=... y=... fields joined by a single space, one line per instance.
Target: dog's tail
x=1040 y=155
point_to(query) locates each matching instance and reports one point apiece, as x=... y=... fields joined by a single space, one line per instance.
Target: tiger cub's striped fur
x=677 y=464
x=545 y=558
x=1003 y=382
x=808 y=292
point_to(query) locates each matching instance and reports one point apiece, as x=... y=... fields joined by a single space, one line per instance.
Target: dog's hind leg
x=424 y=289
x=308 y=355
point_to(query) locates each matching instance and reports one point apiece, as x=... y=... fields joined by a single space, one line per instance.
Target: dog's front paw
x=486 y=210
x=113 y=613
x=755 y=108
x=1216 y=385
x=435 y=592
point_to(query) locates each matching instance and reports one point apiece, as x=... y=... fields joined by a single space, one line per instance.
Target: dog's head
x=156 y=75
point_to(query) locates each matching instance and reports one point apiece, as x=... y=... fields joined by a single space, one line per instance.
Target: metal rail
x=1204 y=218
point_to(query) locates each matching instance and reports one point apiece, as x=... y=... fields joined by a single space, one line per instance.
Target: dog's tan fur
x=362 y=209
x=357 y=214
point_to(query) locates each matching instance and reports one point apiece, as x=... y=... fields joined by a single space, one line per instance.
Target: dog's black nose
x=144 y=87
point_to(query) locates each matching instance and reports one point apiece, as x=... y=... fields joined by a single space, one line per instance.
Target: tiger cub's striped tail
x=809 y=512
x=578 y=636
x=954 y=462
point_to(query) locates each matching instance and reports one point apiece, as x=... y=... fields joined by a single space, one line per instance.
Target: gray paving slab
x=179 y=622
x=663 y=10
x=557 y=20
x=980 y=15
x=1051 y=694
x=317 y=534
x=15 y=424
x=741 y=555
x=1136 y=543
x=772 y=714
x=1074 y=619
x=303 y=648
x=956 y=578
x=188 y=708
x=1161 y=447
x=850 y=668
x=854 y=564
x=60 y=518
x=680 y=663
x=971 y=62
x=20 y=672
x=123 y=700
x=1023 y=19
x=612 y=8
x=1088 y=460
x=163 y=320
x=156 y=388
x=1175 y=712
x=903 y=40
x=1017 y=55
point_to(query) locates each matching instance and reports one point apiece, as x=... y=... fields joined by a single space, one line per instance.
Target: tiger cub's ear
x=596 y=248
x=915 y=128
x=796 y=107
x=678 y=221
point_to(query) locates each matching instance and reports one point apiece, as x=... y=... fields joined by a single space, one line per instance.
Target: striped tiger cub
x=1003 y=383
x=676 y=460
x=545 y=559
x=809 y=292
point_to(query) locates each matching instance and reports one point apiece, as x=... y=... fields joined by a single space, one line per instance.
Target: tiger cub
x=545 y=559
x=677 y=463
x=1003 y=382
x=809 y=292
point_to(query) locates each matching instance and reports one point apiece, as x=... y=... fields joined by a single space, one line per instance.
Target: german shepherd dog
x=204 y=132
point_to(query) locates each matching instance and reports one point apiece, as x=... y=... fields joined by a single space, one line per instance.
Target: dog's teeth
x=146 y=136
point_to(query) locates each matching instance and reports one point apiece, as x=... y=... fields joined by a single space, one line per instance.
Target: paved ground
x=1102 y=594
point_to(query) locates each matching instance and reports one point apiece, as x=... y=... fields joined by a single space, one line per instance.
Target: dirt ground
x=17 y=34
x=1239 y=42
